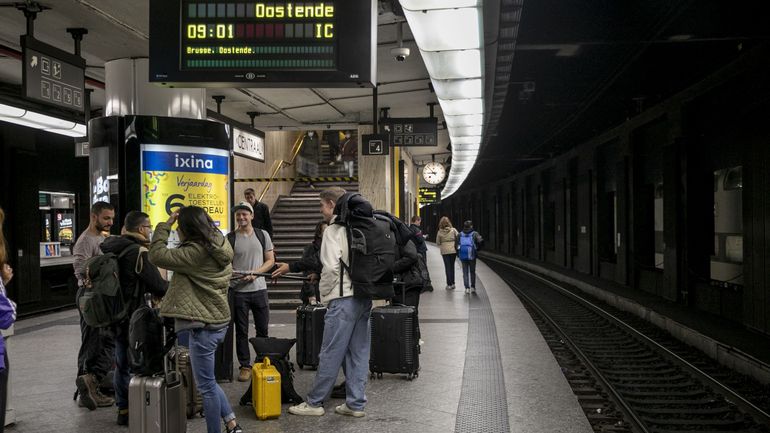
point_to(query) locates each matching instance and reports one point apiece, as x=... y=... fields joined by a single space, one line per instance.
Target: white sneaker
x=343 y=409
x=473 y=289
x=449 y=287
x=420 y=342
x=453 y=287
x=467 y=290
x=306 y=410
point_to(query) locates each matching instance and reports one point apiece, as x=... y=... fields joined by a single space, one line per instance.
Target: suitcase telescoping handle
x=403 y=291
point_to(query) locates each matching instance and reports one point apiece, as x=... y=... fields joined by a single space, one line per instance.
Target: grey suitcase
x=156 y=404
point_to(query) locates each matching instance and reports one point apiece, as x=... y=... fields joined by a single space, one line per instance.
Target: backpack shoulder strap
x=260 y=237
x=343 y=267
x=231 y=239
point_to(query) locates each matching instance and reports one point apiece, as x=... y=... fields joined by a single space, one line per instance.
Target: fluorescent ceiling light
x=415 y=5
x=458 y=89
x=466 y=139
x=445 y=29
x=448 y=65
x=464 y=120
x=455 y=107
x=36 y=120
x=467 y=130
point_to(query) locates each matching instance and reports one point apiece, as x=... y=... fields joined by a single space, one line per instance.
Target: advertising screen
x=176 y=176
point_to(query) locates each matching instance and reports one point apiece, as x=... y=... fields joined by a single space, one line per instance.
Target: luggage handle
x=403 y=293
x=267 y=275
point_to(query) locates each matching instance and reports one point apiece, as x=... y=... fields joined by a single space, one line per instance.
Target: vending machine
x=159 y=164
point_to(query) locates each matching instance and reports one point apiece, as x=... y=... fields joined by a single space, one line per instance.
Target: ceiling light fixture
x=32 y=119
x=449 y=36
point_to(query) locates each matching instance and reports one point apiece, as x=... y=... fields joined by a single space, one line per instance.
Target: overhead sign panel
x=375 y=144
x=53 y=76
x=195 y=43
x=249 y=145
x=412 y=131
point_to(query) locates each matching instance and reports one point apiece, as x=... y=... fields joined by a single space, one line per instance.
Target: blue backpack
x=467 y=250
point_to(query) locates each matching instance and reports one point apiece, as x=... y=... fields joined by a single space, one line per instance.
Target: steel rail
x=629 y=414
x=760 y=415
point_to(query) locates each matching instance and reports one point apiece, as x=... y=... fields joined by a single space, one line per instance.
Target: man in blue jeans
x=346 y=326
x=137 y=276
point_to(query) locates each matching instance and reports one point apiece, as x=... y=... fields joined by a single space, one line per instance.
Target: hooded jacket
x=334 y=247
x=135 y=272
x=446 y=240
x=198 y=290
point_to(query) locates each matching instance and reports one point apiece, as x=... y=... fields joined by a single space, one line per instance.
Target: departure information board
x=263 y=43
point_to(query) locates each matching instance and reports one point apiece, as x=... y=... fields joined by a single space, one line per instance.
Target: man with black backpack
x=95 y=356
x=137 y=276
x=357 y=256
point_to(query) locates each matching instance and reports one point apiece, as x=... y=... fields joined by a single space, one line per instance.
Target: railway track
x=629 y=377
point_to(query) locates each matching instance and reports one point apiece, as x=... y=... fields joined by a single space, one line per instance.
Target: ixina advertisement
x=176 y=176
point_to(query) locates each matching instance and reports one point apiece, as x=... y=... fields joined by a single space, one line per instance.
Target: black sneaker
x=236 y=429
x=122 y=417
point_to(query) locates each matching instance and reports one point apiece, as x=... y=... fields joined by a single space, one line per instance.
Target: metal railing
x=281 y=163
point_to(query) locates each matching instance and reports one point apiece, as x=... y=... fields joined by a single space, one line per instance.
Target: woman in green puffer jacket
x=197 y=300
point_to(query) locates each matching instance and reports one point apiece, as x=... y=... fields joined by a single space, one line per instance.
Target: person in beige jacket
x=447 y=243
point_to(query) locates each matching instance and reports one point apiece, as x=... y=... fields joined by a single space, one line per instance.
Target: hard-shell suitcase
x=156 y=404
x=193 y=398
x=266 y=390
x=395 y=342
x=310 y=332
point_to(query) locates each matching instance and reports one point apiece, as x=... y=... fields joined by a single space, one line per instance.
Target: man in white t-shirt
x=253 y=253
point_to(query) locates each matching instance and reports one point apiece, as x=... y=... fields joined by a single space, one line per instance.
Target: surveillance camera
x=400 y=53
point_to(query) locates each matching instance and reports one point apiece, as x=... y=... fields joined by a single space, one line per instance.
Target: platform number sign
x=376 y=144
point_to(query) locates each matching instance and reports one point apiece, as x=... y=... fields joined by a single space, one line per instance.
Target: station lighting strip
x=448 y=34
x=32 y=119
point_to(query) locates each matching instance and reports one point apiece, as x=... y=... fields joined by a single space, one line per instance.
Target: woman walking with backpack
x=197 y=300
x=447 y=243
x=468 y=244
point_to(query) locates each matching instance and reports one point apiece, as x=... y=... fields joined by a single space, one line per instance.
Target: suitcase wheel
x=299 y=364
x=379 y=375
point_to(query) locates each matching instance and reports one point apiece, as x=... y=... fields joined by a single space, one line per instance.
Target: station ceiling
x=581 y=67
x=120 y=29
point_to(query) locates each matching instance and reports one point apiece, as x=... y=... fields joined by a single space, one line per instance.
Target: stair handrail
x=280 y=163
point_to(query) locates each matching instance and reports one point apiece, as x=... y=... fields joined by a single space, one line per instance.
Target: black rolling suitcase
x=395 y=342
x=310 y=332
x=223 y=357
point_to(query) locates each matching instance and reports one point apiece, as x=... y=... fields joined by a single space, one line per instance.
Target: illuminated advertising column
x=177 y=176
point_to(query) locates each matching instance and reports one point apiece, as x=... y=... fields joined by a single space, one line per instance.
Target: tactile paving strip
x=483 y=404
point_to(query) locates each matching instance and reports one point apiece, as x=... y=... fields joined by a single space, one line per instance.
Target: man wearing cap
x=253 y=253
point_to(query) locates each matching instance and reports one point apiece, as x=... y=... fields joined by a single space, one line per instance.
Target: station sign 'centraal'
x=262 y=43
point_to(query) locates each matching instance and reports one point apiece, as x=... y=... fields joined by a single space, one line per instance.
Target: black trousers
x=97 y=349
x=3 y=392
x=244 y=303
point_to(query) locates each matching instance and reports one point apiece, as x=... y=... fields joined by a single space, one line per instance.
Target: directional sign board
x=375 y=144
x=429 y=195
x=53 y=76
x=412 y=131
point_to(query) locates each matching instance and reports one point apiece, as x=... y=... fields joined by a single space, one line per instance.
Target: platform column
x=128 y=91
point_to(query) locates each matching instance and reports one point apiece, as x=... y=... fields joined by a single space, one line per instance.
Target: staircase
x=294 y=219
x=338 y=169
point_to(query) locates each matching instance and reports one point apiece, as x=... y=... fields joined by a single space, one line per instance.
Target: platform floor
x=508 y=382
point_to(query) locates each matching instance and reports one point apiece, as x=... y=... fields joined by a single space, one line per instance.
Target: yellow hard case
x=266 y=390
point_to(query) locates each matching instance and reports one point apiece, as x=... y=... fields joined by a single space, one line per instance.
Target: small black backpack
x=371 y=243
x=277 y=349
x=146 y=347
